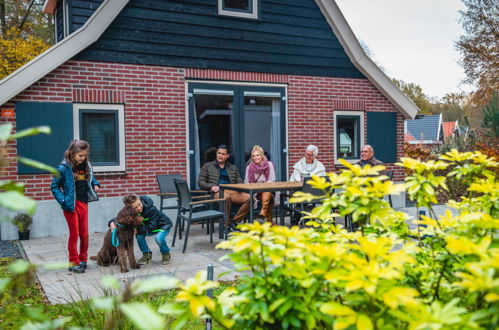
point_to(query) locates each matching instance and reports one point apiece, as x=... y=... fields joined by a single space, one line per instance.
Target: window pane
x=243 y=5
x=100 y=130
x=348 y=137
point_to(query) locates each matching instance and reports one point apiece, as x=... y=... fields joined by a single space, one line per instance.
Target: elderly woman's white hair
x=314 y=149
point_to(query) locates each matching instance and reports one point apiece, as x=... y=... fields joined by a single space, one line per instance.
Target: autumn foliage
x=16 y=50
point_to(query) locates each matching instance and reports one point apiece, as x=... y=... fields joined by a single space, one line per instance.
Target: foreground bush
x=441 y=275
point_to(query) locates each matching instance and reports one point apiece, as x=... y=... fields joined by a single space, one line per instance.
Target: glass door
x=239 y=117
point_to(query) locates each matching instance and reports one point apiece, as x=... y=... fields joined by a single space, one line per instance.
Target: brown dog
x=125 y=222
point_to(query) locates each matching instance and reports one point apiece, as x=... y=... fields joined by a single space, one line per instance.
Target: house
x=152 y=85
x=425 y=130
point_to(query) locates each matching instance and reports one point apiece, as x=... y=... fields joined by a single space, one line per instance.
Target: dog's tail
x=93 y=258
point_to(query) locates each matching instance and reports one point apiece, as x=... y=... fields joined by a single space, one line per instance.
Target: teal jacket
x=63 y=187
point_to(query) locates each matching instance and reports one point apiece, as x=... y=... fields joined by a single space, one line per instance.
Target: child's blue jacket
x=67 y=196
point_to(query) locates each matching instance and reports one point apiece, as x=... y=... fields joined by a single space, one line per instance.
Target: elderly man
x=367 y=157
x=308 y=165
x=220 y=171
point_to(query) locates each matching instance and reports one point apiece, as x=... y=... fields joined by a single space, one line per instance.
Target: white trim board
x=43 y=64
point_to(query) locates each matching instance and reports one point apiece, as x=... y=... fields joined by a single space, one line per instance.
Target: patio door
x=239 y=117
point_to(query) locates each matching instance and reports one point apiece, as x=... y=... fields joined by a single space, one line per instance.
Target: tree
x=491 y=116
x=415 y=93
x=480 y=47
x=25 y=32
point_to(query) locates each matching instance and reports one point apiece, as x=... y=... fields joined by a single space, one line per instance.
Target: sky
x=413 y=40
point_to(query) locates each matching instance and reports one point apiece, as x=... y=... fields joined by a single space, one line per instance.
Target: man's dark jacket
x=372 y=161
x=154 y=219
x=210 y=173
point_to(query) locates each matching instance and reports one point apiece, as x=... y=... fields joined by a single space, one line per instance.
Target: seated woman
x=261 y=170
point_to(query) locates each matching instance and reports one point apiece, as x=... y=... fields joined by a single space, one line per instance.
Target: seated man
x=367 y=157
x=220 y=171
x=308 y=165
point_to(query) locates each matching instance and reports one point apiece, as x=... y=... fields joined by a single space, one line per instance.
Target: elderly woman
x=261 y=170
x=308 y=165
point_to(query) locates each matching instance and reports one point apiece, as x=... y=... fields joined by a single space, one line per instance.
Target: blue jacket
x=63 y=187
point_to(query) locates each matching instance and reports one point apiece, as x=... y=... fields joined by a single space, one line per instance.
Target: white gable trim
x=346 y=37
x=61 y=52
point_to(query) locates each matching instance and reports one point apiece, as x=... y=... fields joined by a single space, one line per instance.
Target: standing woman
x=73 y=189
x=261 y=170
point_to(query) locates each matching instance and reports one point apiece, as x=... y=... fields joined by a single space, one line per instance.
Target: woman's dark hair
x=130 y=199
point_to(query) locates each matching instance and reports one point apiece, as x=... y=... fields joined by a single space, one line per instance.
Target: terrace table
x=252 y=188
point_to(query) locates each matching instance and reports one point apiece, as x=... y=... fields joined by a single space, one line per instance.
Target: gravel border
x=11 y=249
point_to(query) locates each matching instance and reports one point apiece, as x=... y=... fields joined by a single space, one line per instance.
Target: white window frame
x=361 y=114
x=121 y=131
x=240 y=14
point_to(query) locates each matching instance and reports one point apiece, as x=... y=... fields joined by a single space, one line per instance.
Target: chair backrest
x=165 y=182
x=389 y=174
x=307 y=188
x=183 y=193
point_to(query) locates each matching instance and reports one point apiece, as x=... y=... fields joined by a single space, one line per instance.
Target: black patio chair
x=188 y=212
x=296 y=210
x=167 y=190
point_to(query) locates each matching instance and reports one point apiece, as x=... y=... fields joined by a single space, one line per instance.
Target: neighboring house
x=450 y=128
x=153 y=84
x=425 y=130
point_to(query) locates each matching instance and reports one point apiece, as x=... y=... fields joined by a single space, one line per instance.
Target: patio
x=61 y=286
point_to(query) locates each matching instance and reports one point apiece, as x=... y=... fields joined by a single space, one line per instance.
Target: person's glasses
x=309 y=155
x=364 y=151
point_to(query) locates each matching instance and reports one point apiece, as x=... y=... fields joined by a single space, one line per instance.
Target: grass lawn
x=30 y=302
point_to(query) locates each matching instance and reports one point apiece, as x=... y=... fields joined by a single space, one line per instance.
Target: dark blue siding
x=59 y=33
x=48 y=149
x=290 y=36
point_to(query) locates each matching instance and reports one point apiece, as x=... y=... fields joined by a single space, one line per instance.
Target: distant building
x=425 y=130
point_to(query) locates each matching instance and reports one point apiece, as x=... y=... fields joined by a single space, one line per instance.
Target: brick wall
x=155 y=116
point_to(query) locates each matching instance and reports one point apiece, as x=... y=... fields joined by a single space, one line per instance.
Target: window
x=238 y=8
x=103 y=126
x=349 y=134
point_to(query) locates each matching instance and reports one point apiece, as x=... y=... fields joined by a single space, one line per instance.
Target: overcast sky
x=412 y=39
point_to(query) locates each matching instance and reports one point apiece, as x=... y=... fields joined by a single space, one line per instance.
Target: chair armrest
x=199 y=191
x=209 y=201
x=202 y=196
x=167 y=194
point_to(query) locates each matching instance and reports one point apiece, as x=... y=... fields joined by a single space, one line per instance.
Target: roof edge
x=61 y=52
x=364 y=64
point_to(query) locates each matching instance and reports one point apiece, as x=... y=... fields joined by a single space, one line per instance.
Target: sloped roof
x=426 y=128
x=109 y=9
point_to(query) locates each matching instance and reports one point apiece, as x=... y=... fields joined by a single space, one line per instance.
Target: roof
x=449 y=128
x=426 y=128
x=109 y=9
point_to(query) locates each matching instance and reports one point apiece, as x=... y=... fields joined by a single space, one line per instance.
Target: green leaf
x=38 y=165
x=5 y=130
x=19 y=266
x=14 y=200
x=110 y=282
x=364 y=322
x=171 y=309
x=30 y=131
x=56 y=265
x=143 y=316
x=155 y=284
x=104 y=304
x=336 y=309
x=12 y=186
x=276 y=304
x=4 y=281
x=180 y=322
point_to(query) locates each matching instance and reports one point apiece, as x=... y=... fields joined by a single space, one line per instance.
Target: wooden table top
x=263 y=186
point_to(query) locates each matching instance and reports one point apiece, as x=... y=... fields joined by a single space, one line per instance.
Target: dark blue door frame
x=238 y=148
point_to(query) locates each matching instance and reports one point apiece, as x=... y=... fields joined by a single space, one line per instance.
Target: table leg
x=221 y=224
x=281 y=208
x=251 y=203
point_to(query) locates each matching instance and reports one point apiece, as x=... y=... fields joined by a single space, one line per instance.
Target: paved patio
x=61 y=286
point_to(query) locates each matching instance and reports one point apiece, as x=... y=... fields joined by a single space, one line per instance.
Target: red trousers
x=78 y=228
